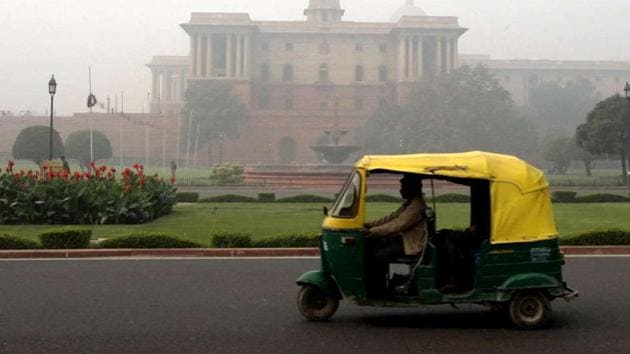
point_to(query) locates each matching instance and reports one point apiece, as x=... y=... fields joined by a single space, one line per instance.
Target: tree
x=561 y=106
x=78 y=147
x=466 y=110
x=558 y=151
x=607 y=130
x=217 y=110
x=33 y=144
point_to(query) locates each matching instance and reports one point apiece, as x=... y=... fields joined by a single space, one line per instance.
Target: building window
x=383 y=48
x=288 y=47
x=263 y=100
x=358 y=47
x=323 y=73
x=264 y=46
x=287 y=73
x=264 y=72
x=382 y=73
x=288 y=104
x=323 y=106
x=358 y=104
x=358 y=73
x=324 y=48
x=286 y=149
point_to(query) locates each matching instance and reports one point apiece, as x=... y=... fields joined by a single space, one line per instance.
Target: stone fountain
x=332 y=152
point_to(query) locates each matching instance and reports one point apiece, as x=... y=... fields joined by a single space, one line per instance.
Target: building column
x=155 y=83
x=438 y=55
x=193 y=56
x=228 y=56
x=409 y=57
x=182 y=85
x=209 y=63
x=401 y=58
x=449 y=56
x=420 y=58
x=200 y=63
x=161 y=84
x=455 y=54
x=247 y=55
x=239 y=56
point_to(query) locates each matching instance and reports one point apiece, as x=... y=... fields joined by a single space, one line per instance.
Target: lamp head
x=52 y=85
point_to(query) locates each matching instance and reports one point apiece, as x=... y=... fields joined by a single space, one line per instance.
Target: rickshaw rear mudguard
x=531 y=281
x=322 y=280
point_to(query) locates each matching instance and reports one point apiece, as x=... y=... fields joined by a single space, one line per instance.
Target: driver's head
x=410 y=186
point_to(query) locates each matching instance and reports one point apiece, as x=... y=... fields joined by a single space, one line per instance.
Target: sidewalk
x=246 y=252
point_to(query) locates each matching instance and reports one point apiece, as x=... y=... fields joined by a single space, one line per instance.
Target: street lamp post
x=626 y=126
x=52 y=88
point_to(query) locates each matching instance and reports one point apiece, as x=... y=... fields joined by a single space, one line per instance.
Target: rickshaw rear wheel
x=530 y=310
x=315 y=305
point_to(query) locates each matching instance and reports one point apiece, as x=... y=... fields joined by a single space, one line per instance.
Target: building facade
x=299 y=78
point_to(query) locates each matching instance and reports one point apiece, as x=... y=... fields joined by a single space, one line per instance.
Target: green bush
x=288 y=241
x=305 y=198
x=382 y=198
x=227 y=174
x=452 y=198
x=231 y=240
x=32 y=144
x=187 y=197
x=612 y=237
x=8 y=242
x=228 y=198
x=66 y=238
x=78 y=147
x=266 y=197
x=602 y=198
x=147 y=240
x=563 y=196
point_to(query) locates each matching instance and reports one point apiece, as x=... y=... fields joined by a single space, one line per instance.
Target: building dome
x=408 y=10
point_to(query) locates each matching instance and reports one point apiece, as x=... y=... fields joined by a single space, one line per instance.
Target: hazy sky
x=117 y=37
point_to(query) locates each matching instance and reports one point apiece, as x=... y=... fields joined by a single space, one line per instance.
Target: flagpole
x=91 y=126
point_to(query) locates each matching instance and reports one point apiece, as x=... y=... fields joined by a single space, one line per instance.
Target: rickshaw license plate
x=540 y=254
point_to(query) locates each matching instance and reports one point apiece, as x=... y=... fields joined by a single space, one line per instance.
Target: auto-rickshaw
x=512 y=264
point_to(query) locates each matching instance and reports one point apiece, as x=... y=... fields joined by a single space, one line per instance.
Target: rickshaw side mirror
x=325 y=209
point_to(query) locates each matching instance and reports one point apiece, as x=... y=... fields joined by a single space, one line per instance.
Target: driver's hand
x=365 y=231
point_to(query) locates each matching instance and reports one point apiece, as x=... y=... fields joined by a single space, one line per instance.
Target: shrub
x=598 y=238
x=147 y=240
x=32 y=144
x=382 y=198
x=228 y=198
x=78 y=147
x=563 y=196
x=227 y=174
x=602 y=198
x=266 y=197
x=187 y=197
x=65 y=238
x=231 y=240
x=289 y=240
x=305 y=198
x=8 y=242
x=452 y=198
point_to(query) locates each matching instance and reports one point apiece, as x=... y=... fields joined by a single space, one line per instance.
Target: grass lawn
x=198 y=221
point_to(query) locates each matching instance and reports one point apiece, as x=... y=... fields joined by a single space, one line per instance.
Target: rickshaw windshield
x=347 y=204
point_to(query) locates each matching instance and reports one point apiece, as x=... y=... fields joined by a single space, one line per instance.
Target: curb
x=246 y=252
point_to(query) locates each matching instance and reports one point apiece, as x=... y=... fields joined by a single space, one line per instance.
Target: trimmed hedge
x=452 y=198
x=382 y=198
x=231 y=240
x=228 y=198
x=8 y=242
x=66 y=238
x=563 y=196
x=305 y=198
x=611 y=237
x=602 y=198
x=266 y=197
x=288 y=241
x=147 y=240
x=187 y=197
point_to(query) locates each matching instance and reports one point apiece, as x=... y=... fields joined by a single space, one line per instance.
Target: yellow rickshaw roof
x=473 y=164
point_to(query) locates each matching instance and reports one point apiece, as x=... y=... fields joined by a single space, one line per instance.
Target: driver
x=404 y=231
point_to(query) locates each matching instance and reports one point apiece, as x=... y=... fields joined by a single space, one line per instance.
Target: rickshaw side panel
x=343 y=258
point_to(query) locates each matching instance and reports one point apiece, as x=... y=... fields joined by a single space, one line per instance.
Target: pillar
x=155 y=83
x=228 y=56
x=401 y=58
x=420 y=58
x=193 y=55
x=248 y=52
x=409 y=69
x=449 y=56
x=209 y=63
x=239 y=56
x=438 y=55
x=168 y=86
x=182 y=85
x=200 y=53
x=455 y=54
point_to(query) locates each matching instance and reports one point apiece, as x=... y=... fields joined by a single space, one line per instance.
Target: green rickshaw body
x=519 y=254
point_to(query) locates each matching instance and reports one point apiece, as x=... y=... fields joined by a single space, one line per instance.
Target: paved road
x=248 y=306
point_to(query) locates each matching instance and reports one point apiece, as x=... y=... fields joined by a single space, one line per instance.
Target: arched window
x=323 y=72
x=358 y=73
x=287 y=73
x=264 y=72
x=287 y=149
x=382 y=73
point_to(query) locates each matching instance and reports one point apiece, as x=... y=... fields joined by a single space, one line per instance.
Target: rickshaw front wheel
x=315 y=305
x=530 y=310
